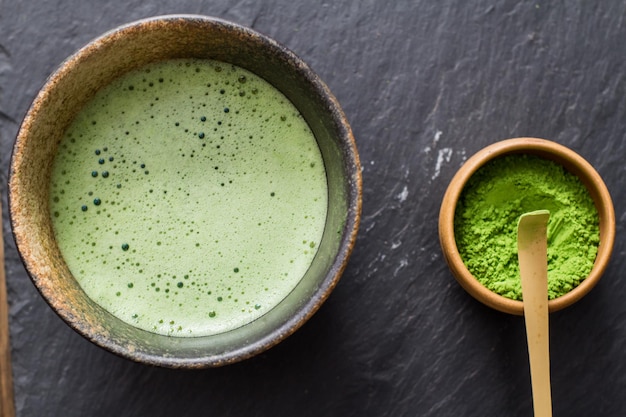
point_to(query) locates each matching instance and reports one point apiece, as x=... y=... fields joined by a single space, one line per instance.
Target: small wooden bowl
x=575 y=164
x=96 y=65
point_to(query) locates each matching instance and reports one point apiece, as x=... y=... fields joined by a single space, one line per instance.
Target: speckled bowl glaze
x=97 y=64
x=575 y=164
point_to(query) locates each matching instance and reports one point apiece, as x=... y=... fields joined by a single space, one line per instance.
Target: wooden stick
x=7 y=405
x=533 y=265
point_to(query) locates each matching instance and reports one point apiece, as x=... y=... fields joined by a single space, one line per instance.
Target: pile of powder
x=486 y=223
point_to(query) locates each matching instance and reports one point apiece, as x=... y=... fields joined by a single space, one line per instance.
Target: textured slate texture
x=425 y=84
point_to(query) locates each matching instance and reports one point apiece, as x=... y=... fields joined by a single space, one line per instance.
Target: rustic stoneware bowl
x=96 y=65
x=575 y=164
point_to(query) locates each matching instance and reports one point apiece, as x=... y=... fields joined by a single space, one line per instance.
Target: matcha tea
x=488 y=211
x=189 y=197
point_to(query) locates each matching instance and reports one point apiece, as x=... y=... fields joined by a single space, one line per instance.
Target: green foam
x=189 y=197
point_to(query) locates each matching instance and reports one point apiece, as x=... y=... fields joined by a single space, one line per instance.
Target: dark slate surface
x=425 y=84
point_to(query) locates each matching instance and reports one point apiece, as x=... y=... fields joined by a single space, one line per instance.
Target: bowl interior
x=571 y=161
x=96 y=65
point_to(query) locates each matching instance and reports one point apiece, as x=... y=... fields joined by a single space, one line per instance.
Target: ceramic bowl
x=571 y=161
x=96 y=65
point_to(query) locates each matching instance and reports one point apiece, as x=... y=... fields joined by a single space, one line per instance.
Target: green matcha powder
x=486 y=223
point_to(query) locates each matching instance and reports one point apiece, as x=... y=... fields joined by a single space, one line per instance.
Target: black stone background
x=425 y=84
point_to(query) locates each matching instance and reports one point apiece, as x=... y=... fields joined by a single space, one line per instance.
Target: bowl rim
x=353 y=184
x=574 y=163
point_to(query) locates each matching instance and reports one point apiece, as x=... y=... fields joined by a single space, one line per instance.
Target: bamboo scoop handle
x=533 y=265
x=7 y=405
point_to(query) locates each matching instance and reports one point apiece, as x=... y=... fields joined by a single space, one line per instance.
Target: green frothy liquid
x=189 y=197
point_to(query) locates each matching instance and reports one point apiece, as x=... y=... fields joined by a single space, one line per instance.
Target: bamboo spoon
x=7 y=405
x=532 y=252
